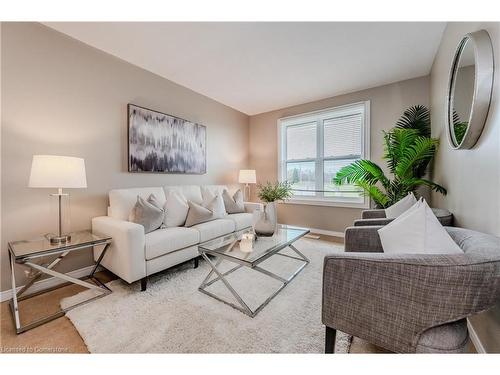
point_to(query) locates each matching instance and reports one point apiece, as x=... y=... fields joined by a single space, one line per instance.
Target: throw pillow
x=234 y=204
x=198 y=214
x=176 y=210
x=155 y=202
x=147 y=215
x=400 y=206
x=417 y=231
x=218 y=204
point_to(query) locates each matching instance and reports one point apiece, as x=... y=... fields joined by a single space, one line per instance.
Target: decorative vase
x=265 y=221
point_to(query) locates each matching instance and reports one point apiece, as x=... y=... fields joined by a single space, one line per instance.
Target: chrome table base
x=243 y=307
x=48 y=270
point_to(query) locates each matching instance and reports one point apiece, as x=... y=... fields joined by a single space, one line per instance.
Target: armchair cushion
x=446 y=338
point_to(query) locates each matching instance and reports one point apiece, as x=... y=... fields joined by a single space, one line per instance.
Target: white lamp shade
x=247 y=176
x=50 y=171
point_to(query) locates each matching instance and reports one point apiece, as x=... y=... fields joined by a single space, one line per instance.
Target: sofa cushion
x=121 y=201
x=241 y=221
x=190 y=192
x=214 y=228
x=446 y=338
x=164 y=241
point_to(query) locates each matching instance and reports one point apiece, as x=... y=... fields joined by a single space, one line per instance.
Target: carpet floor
x=172 y=316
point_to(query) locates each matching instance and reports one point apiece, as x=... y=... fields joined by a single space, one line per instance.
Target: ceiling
x=258 y=67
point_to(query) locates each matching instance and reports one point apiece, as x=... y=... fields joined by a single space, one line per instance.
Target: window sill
x=327 y=203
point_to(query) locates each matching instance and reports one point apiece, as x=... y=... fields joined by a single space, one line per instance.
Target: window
x=314 y=146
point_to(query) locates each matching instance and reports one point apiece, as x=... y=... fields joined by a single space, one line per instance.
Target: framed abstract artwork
x=161 y=143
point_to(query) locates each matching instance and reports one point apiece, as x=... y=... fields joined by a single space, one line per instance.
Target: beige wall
x=387 y=105
x=62 y=97
x=472 y=176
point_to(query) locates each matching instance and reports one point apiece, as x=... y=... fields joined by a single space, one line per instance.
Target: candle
x=246 y=243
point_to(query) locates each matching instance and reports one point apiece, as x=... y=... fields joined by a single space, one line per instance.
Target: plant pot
x=265 y=221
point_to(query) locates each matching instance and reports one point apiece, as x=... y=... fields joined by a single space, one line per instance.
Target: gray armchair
x=409 y=303
x=377 y=217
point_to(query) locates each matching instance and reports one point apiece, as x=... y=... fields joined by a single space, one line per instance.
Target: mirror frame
x=483 y=87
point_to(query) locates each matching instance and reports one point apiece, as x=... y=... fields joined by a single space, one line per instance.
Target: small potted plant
x=266 y=221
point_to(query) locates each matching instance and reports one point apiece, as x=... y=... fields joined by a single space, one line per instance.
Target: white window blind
x=315 y=146
x=342 y=137
x=301 y=141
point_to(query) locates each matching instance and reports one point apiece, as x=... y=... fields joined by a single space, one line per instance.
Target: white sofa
x=134 y=255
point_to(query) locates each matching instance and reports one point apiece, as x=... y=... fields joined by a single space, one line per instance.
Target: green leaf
x=416 y=156
x=360 y=170
x=375 y=193
x=275 y=192
x=415 y=182
x=417 y=117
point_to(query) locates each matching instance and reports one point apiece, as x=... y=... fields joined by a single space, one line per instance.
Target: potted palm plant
x=266 y=220
x=408 y=150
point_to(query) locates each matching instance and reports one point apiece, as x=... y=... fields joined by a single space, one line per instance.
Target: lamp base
x=56 y=240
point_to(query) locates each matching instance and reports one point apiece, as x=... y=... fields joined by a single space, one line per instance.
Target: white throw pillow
x=400 y=206
x=176 y=210
x=417 y=231
x=217 y=203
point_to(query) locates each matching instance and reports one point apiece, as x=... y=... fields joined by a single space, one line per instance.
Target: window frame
x=318 y=117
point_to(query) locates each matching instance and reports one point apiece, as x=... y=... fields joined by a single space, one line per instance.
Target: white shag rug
x=172 y=316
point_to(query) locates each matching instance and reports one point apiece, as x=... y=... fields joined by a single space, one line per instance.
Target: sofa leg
x=196 y=261
x=330 y=340
x=144 y=283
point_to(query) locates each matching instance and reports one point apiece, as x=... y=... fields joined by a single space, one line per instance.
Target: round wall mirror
x=469 y=89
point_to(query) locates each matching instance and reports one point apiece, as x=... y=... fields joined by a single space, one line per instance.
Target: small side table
x=25 y=252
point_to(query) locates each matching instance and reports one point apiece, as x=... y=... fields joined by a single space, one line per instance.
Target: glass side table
x=27 y=252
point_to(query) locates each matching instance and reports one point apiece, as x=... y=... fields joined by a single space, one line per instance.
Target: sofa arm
x=250 y=207
x=389 y=300
x=125 y=256
x=373 y=214
x=363 y=239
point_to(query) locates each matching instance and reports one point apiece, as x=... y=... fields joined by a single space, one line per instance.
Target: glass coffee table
x=228 y=248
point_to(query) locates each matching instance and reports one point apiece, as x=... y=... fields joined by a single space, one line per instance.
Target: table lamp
x=247 y=176
x=50 y=171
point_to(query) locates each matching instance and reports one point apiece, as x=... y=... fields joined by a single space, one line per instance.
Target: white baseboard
x=475 y=339
x=327 y=232
x=47 y=283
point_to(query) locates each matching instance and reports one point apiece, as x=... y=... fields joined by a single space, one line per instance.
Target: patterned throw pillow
x=234 y=204
x=146 y=214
